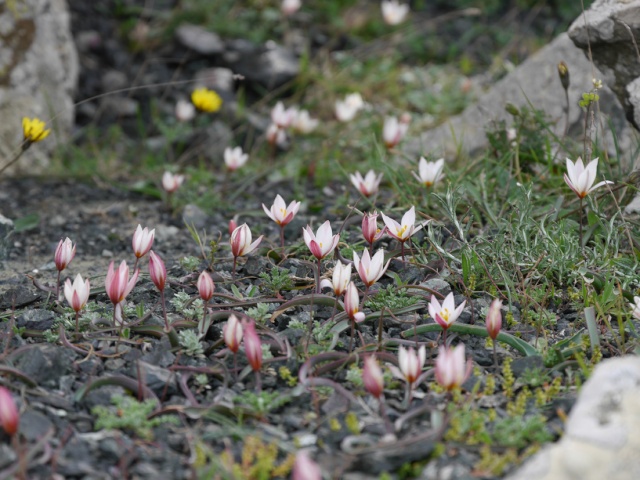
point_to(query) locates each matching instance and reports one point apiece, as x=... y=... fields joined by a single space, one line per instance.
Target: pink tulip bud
x=205 y=286
x=117 y=283
x=232 y=334
x=451 y=369
x=65 y=251
x=241 y=241
x=157 y=271
x=372 y=377
x=494 y=319
x=252 y=346
x=370 y=230
x=142 y=241
x=232 y=225
x=304 y=468
x=9 y=417
x=411 y=363
x=77 y=294
x=323 y=242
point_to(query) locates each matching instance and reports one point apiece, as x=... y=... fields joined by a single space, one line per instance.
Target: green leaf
x=28 y=222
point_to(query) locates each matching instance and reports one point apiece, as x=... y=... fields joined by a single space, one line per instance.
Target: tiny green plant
x=190 y=343
x=276 y=280
x=129 y=414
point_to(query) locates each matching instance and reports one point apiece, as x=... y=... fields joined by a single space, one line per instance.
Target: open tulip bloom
x=445 y=314
x=321 y=244
x=402 y=231
x=393 y=131
x=429 y=173
x=370 y=269
x=580 y=179
x=367 y=185
x=394 y=12
x=234 y=158
x=281 y=213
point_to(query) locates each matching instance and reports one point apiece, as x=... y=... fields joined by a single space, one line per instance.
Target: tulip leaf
x=28 y=222
x=520 y=345
x=319 y=299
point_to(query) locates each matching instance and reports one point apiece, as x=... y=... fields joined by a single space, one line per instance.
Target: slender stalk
x=495 y=354
x=318 y=289
x=580 y=237
x=383 y=414
x=204 y=317
x=135 y=265
x=235 y=367
x=58 y=286
x=233 y=273
x=164 y=312
x=282 y=238
x=258 y=381
x=17 y=157
x=77 y=323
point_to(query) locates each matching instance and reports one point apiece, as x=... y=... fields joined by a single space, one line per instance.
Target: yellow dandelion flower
x=34 y=129
x=206 y=100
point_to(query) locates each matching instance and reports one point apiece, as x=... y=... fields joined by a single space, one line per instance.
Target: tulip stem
x=282 y=238
x=164 y=312
x=318 y=289
x=495 y=353
x=135 y=265
x=233 y=273
x=204 y=318
x=58 y=286
x=235 y=367
x=580 y=237
x=383 y=414
x=77 y=323
x=258 y=381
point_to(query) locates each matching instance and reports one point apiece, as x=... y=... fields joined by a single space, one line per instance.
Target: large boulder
x=611 y=29
x=38 y=74
x=602 y=437
x=535 y=83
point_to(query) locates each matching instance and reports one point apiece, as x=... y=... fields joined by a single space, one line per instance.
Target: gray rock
x=608 y=27
x=199 y=39
x=158 y=379
x=45 y=363
x=194 y=215
x=6 y=229
x=35 y=320
x=33 y=425
x=535 y=82
x=602 y=436
x=269 y=67
x=218 y=79
x=39 y=66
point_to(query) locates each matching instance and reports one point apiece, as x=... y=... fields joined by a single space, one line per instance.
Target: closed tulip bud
x=563 y=72
x=494 y=319
x=117 y=284
x=77 y=294
x=65 y=251
x=157 y=271
x=142 y=241
x=339 y=280
x=370 y=230
x=304 y=468
x=171 y=182
x=451 y=369
x=252 y=346
x=232 y=225
x=372 y=377
x=411 y=363
x=352 y=303
x=9 y=417
x=232 y=334
x=205 y=286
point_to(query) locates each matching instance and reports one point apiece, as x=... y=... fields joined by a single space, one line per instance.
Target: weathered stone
x=36 y=320
x=270 y=66
x=602 y=436
x=6 y=229
x=608 y=28
x=534 y=83
x=199 y=39
x=38 y=73
x=45 y=363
